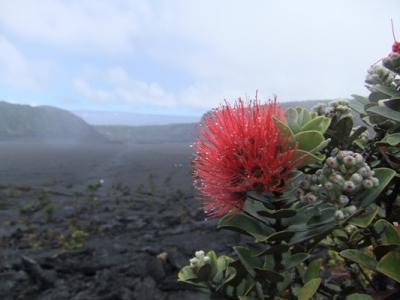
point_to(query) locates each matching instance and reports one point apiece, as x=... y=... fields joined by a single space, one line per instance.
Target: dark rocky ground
x=65 y=236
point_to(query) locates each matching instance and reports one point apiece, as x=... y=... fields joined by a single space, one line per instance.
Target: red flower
x=240 y=150
x=396 y=44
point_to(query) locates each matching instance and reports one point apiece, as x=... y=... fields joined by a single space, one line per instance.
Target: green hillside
x=43 y=122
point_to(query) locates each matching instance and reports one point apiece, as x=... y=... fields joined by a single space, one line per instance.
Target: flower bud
x=199 y=260
x=193 y=261
x=343 y=169
x=358 y=158
x=368 y=183
x=339 y=215
x=304 y=184
x=326 y=171
x=350 y=228
x=332 y=162
x=356 y=178
x=329 y=185
x=336 y=178
x=315 y=188
x=375 y=181
x=349 y=161
x=350 y=209
x=314 y=178
x=310 y=197
x=340 y=155
x=344 y=200
x=349 y=186
x=199 y=253
x=364 y=171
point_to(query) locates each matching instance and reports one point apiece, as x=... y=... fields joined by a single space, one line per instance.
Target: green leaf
x=248 y=259
x=308 y=140
x=245 y=287
x=356 y=134
x=313 y=270
x=205 y=272
x=367 y=197
x=285 y=131
x=312 y=232
x=325 y=215
x=280 y=236
x=292 y=117
x=270 y=275
x=358 y=296
x=320 y=124
x=343 y=128
x=277 y=214
x=361 y=99
x=303 y=158
x=286 y=283
x=213 y=263
x=219 y=266
x=321 y=146
x=360 y=258
x=393 y=103
x=296 y=259
x=304 y=116
x=391 y=139
x=388 y=233
x=391 y=92
x=186 y=274
x=334 y=287
x=389 y=265
x=357 y=108
x=385 y=112
x=245 y=224
x=254 y=203
x=365 y=219
x=275 y=248
x=230 y=274
x=309 y=289
x=381 y=250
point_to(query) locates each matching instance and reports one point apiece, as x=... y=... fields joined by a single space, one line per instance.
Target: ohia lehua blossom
x=240 y=149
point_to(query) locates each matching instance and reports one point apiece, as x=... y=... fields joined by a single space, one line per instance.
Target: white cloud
x=88 y=92
x=86 y=25
x=296 y=49
x=123 y=88
x=14 y=68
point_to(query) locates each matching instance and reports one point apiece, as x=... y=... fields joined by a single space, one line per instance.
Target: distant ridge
x=132 y=119
x=154 y=134
x=169 y=133
x=44 y=123
x=118 y=118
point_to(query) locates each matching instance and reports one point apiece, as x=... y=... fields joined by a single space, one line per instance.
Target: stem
x=278 y=255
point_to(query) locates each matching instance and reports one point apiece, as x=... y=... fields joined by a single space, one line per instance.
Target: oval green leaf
x=309 y=289
x=308 y=140
x=389 y=265
x=360 y=258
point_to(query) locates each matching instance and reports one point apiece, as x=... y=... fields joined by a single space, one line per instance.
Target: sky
x=185 y=57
